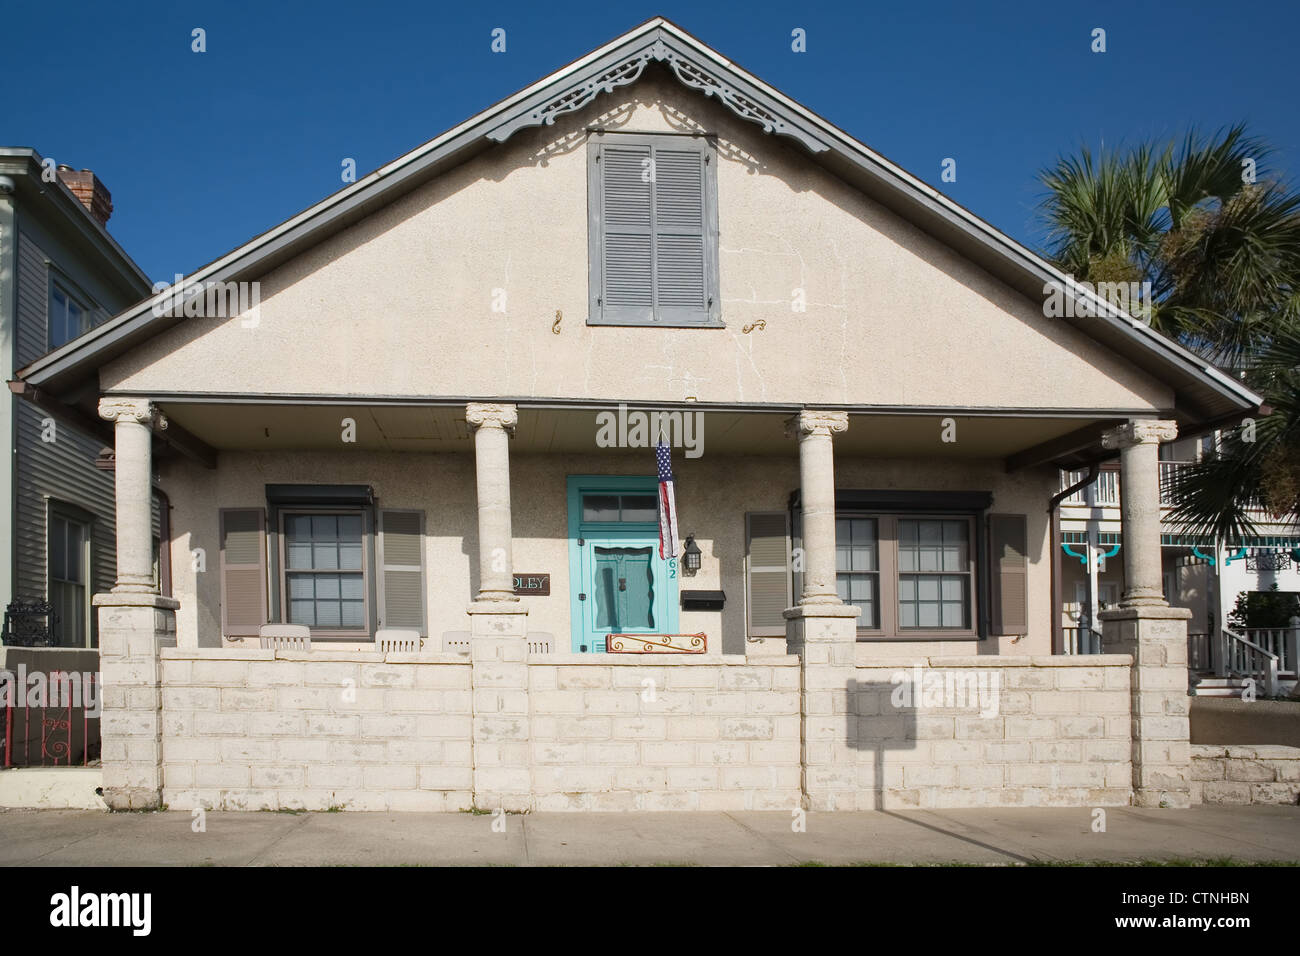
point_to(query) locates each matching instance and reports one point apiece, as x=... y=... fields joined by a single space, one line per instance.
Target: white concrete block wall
x=1241 y=775
x=1060 y=736
x=667 y=733
x=258 y=729
x=270 y=730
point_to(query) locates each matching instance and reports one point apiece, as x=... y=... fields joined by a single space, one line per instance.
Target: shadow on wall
x=874 y=723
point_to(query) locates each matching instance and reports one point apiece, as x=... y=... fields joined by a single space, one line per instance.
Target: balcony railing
x=1105 y=490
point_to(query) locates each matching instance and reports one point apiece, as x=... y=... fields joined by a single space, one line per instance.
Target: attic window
x=653 y=234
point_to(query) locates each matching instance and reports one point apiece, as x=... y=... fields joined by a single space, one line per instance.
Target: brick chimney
x=94 y=195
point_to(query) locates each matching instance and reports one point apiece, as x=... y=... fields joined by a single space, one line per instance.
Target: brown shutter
x=1009 y=573
x=767 y=572
x=401 y=570
x=243 y=571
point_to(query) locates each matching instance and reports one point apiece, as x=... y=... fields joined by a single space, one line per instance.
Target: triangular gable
x=1203 y=393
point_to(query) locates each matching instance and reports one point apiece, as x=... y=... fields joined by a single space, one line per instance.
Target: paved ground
x=80 y=837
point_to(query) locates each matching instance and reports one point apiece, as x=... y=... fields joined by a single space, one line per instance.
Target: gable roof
x=1203 y=394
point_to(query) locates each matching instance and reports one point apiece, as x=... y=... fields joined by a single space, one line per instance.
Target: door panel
x=623 y=588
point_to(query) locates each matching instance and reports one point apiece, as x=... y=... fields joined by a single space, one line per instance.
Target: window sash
x=292 y=609
x=918 y=577
x=68 y=576
x=69 y=317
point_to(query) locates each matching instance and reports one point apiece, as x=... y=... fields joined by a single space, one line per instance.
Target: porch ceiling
x=428 y=428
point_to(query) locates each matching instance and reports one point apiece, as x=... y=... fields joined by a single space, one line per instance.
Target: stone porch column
x=1147 y=628
x=821 y=629
x=492 y=425
x=134 y=620
x=498 y=626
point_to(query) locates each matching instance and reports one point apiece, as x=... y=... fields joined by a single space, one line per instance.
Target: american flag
x=669 y=544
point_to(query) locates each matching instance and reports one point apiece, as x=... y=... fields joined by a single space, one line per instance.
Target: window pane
x=927 y=614
x=76 y=557
x=907 y=615
x=855 y=544
x=907 y=534
x=351 y=587
x=327 y=586
x=354 y=614
x=350 y=556
x=640 y=508
x=325 y=555
x=600 y=507
x=327 y=614
x=350 y=528
x=324 y=527
x=58 y=548
x=302 y=612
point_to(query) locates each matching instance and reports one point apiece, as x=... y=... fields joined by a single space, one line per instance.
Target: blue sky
x=204 y=151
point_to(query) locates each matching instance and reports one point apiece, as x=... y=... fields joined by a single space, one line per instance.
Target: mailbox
x=703 y=600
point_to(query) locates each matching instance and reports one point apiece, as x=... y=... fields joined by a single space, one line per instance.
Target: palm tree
x=1219 y=242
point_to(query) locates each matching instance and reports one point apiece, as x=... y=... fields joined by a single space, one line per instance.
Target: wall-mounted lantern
x=691 y=556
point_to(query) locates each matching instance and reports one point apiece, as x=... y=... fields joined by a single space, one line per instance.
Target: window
x=68 y=316
x=638 y=507
x=324 y=577
x=911 y=576
x=68 y=566
x=934 y=573
x=653 y=236
x=857 y=568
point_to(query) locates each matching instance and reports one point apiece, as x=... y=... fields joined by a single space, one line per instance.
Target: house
x=407 y=438
x=61 y=274
x=1199 y=573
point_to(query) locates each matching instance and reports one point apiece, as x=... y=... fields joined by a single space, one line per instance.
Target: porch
x=403 y=482
x=796 y=701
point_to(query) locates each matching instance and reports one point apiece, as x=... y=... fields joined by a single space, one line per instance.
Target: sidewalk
x=1011 y=836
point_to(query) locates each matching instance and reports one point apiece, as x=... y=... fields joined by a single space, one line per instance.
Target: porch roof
x=1019 y=437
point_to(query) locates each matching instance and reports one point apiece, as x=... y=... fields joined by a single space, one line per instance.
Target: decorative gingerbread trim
x=492 y=415
x=1140 y=432
x=688 y=72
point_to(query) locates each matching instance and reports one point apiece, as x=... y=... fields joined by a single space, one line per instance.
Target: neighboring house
x=422 y=445
x=1199 y=573
x=61 y=274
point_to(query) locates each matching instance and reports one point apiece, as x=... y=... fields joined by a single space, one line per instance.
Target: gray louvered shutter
x=1009 y=574
x=243 y=571
x=627 y=261
x=401 y=570
x=681 y=271
x=653 y=230
x=767 y=572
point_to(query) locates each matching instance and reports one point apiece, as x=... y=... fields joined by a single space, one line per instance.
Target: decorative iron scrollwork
x=29 y=624
x=1268 y=560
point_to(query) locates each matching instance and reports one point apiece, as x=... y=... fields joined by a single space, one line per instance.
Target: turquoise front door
x=618 y=582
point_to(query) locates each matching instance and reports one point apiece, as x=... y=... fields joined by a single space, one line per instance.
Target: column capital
x=813 y=421
x=492 y=415
x=141 y=410
x=1141 y=431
